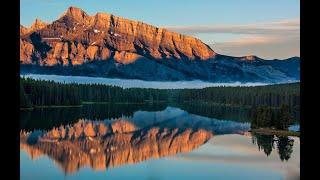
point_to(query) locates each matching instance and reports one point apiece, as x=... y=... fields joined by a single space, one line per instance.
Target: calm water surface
x=154 y=141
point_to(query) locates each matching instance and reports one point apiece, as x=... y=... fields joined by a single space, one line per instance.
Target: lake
x=151 y=141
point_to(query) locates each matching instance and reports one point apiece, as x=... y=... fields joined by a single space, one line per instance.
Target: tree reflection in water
x=267 y=143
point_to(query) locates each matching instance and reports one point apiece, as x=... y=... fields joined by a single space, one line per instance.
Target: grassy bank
x=57 y=106
x=268 y=131
x=91 y=102
x=82 y=103
x=26 y=109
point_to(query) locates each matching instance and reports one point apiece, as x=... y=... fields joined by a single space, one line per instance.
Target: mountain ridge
x=111 y=46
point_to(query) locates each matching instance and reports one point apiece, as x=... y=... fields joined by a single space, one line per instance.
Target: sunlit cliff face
x=102 y=145
x=78 y=37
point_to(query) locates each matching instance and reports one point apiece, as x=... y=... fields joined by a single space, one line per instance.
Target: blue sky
x=183 y=15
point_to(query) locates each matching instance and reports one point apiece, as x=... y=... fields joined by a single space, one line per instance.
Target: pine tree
x=285 y=118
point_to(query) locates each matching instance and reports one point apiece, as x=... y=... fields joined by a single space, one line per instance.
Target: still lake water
x=151 y=141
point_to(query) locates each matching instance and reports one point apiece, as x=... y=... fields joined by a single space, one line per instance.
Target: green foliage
x=265 y=116
x=286 y=96
x=264 y=142
x=262 y=117
x=24 y=99
x=285 y=148
x=271 y=95
x=49 y=93
x=267 y=143
x=284 y=117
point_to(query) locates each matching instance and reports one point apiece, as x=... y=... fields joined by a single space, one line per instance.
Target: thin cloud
x=265 y=47
x=253 y=40
x=278 y=39
x=278 y=27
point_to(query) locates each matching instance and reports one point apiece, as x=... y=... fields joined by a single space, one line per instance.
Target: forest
x=267 y=106
x=270 y=95
x=48 y=93
x=265 y=116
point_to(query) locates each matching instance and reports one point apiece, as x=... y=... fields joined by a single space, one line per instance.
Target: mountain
x=101 y=145
x=105 y=45
x=36 y=25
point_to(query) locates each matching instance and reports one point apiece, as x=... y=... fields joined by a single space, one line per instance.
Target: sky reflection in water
x=228 y=156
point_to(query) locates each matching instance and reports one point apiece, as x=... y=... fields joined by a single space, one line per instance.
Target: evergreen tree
x=262 y=117
x=285 y=118
x=285 y=146
x=24 y=99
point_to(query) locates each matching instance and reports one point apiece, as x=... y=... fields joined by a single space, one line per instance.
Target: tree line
x=265 y=116
x=41 y=92
x=48 y=93
x=270 y=95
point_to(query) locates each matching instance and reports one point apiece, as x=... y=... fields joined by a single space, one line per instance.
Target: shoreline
x=84 y=103
x=70 y=106
x=268 y=131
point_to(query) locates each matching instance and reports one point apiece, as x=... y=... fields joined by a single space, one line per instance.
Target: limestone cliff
x=80 y=38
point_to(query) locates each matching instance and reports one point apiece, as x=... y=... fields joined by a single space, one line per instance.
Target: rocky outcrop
x=124 y=57
x=23 y=31
x=101 y=146
x=37 y=25
x=102 y=36
x=249 y=58
x=26 y=51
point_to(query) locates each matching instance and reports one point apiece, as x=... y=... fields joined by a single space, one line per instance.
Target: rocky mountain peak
x=76 y=14
x=105 y=36
x=23 y=30
x=37 y=25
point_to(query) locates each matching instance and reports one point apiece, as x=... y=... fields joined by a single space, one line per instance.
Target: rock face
x=105 y=45
x=23 y=30
x=80 y=37
x=36 y=25
x=101 y=146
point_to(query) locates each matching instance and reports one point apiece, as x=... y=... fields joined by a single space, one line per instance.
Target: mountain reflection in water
x=112 y=142
x=106 y=136
x=47 y=118
x=102 y=144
